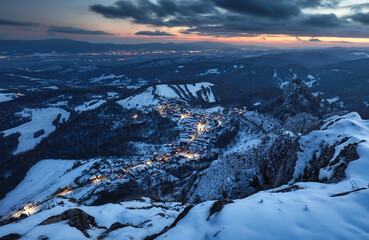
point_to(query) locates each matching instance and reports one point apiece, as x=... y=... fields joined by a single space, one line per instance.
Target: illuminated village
x=198 y=130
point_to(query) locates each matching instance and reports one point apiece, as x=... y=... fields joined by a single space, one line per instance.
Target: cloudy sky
x=263 y=22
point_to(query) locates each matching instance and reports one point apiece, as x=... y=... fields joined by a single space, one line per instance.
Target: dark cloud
x=265 y=8
x=156 y=14
x=323 y=20
x=17 y=23
x=361 y=17
x=314 y=40
x=73 y=30
x=235 y=18
x=154 y=33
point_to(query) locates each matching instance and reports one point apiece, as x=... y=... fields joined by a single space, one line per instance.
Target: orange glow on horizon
x=263 y=39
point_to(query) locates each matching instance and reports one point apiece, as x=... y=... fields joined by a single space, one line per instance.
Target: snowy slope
x=4 y=97
x=311 y=210
x=140 y=100
x=310 y=213
x=90 y=105
x=41 y=120
x=188 y=92
x=339 y=131
x=146 y=218
x=301 y=210
x=42 y=180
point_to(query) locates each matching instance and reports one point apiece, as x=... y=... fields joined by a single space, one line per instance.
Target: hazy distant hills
x=72 y=46
x=333 y=72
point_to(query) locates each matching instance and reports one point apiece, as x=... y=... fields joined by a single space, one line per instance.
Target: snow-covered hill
x=198 y=92
x=302 y=210
x=40 y=126
x=326 y=198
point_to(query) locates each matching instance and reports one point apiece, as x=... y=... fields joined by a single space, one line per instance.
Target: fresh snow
x=105 y=77
x=311 y=82
x=112 y=95
x=166 y=91
x=210 y=71
x=315 y=94
x=309 y=213
x=332 y=100
x=275 y=74
x=41 y=119
x=5 y=97
x=90 y=105
x=182 y=91
x=52 y=87
x=362 y=54
x=42 y=180
x=152 y=217
x=140 y=100
x=58 y=104
x=333 y=131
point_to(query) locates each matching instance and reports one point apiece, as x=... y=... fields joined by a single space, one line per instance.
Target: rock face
x=326 y=161
x=12 y=236
x=297 y=98
x=278 y=160
x=76 y=218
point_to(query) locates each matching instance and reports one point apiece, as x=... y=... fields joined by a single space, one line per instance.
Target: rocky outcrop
x=76 y=218
x=277 y=159
x=11 y=236
x=297 y=98
x=337 y=165
x=217 y=207
x=167 y=228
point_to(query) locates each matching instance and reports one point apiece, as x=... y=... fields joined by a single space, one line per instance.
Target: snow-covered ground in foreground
x=90 y=105
x=185 y=92
x=310 y=210
x=336 y=129
x=309 y=213
x=41 y=120
x=146 y=218
x=41 y=181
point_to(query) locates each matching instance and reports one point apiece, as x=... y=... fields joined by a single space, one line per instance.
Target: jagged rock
x=13 y=219
x=76 y=218
x=113 y=227
x=218 y=206
x=11 y=236
x=325 y=161
x=278 y=159
x=297 y=98
x=347 y=155
x=167 y=228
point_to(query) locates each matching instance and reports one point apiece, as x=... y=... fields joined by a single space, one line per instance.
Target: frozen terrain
x=300 y=210
x=41 y=120
x=187 y=92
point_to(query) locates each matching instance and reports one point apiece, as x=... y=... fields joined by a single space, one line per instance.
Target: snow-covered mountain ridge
x=198 y=92
x=301 y=210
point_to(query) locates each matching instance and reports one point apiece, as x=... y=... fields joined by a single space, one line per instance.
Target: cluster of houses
x=198 y=130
